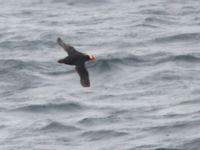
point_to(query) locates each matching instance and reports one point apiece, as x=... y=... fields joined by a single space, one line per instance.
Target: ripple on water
x=97 y=121
x=39 y=108
x=54 y=126
x=146 y=83
x=182 y=37
x=103 y=135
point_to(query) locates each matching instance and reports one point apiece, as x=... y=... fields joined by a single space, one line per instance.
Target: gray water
x=145 y=84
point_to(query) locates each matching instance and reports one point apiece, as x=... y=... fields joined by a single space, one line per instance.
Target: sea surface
x=145 y=84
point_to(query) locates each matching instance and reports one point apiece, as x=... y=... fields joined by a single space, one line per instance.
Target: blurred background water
x=145 y=92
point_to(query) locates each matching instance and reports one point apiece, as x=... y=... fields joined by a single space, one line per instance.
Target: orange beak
x=92 y=57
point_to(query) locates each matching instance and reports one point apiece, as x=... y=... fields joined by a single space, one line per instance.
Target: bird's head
x=92 y=57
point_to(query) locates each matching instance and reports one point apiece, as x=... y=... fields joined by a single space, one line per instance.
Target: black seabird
x=78 y=59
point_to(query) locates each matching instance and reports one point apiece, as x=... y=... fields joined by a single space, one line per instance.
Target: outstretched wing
x=68 y=48
x=84 y=75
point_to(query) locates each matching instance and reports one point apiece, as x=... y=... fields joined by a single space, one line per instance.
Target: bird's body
x=78 y=59
x=75 y=59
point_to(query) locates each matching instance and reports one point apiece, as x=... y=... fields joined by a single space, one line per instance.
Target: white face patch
x=91 y=57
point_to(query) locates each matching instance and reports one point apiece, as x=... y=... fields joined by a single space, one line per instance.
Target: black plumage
x=78 y=59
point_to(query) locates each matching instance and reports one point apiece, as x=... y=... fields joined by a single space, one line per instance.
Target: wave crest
x=71 y=106
x=57 y=126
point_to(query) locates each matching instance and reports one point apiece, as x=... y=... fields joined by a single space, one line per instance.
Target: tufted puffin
x=77 y=59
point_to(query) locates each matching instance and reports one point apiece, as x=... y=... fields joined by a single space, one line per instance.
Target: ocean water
x=145 y=84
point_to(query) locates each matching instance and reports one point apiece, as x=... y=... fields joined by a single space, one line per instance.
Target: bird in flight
x=77 y=59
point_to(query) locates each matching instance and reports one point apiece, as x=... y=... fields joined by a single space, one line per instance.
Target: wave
x=184 y=37
x=192 y=144
x=27 y=44
x=111 y=62
x=146 y=25
x=159 y=21
x=18 y=64
x=17 y=77
x=187 y=58
x=103 y=134
x=80 y=2
x=57 y=126
x=166 y=149
x=70 y=106
x=2 y=126
x=154 y=11
x=97 y=121
x=13 y=66
x=114 y=61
